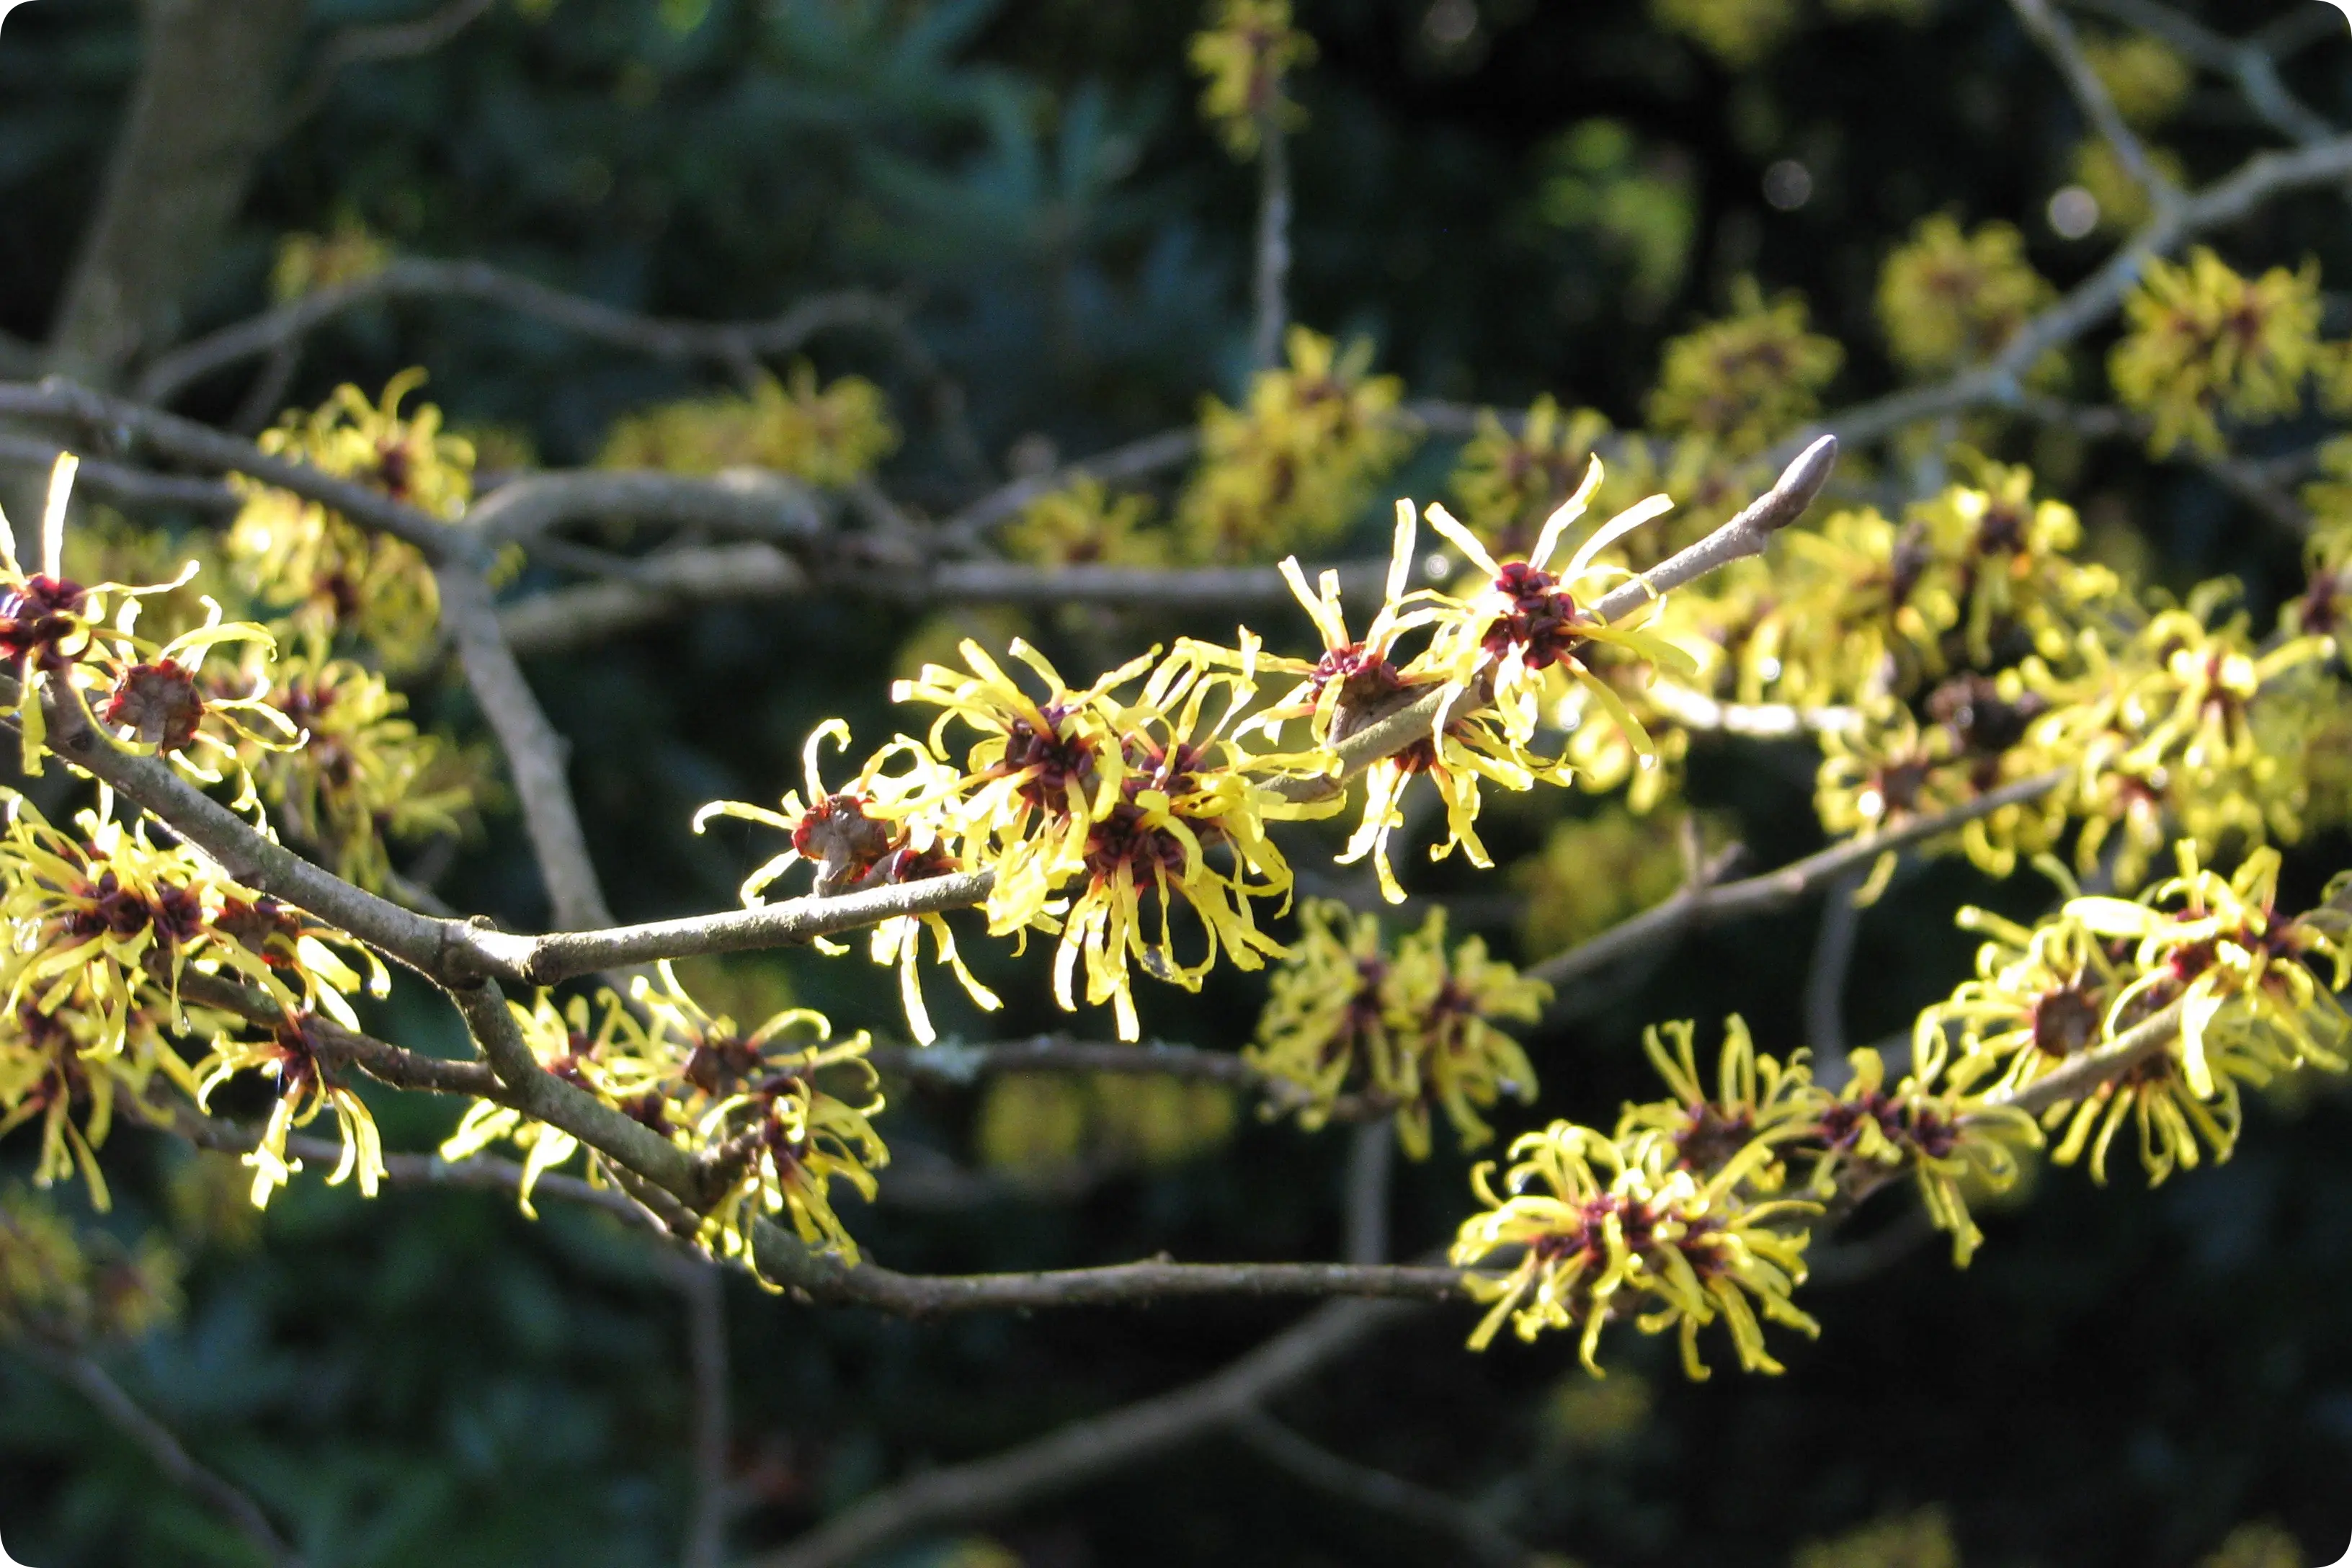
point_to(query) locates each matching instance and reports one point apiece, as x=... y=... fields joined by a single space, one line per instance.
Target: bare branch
x=1376 y=1491
x=1756 y=721
x=1084 y=1450
x=2251 y=482
x=163 y=1451
x=1272 y=280
x=756 y=503
x=655 y=587
x=2250 y=63
x=537 y=757
x=1697 y=907
x=2056 y=36
x=130 y=487
x=719 y=342
x=375 y=46
x=702 y=1289
x=1999 y=382
x=1151 y=455
x=118 y=422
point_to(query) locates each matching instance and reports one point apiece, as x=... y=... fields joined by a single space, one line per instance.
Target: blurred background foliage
x=1506 y=199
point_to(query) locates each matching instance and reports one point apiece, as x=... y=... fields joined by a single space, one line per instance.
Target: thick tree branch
x=200 y=117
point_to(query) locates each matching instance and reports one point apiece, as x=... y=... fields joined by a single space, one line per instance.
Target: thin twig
x=162 y=1449
x=1272 y=280
x=1371 y=1164
x=373 y=46
x=2250 y=63
x=1086 y=1449
x=2252 y=482
x=1825 y=977
x=2051 y=29
x=1136 y=459
x=2000 y=381
x=408 y=278
x=701 y=1289
x=1376 y=1491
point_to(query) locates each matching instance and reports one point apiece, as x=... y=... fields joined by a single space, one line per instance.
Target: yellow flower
x=67 y=1286
x=875 y=832
x=362 y=772
x=2040 y=998
x=1441 y=1009
x=1750 y=379
x=1517 y=639
x=2223 y=947
x=306 y=1088
x=1086 y=525
x=1948 y=1142
x=1758 y=1100
x=1947 y=299
x=615 y=1060
x=1601 y=1236
x=1324 y=1030
x=1246 y=51
x=2205 y=342
x=830 y=436
x=789 y=1138
x=1924 y=1539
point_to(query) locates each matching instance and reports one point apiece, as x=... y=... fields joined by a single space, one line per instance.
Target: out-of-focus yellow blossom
x=2258 y=1546
x=1750 y=379
x=1509 y=484
x=1740 y=33
x=1044 y=1128
x=1949 y=1142
x=1086 y=525
x=1946 y=298
x=1900 y=10
x=1593 y=872
x=329 y=574
x=64 y=1286
x=1923 y=1540
x=870 y=833
x=1246 y=51
x=363 y=772
x=347 y=253
x=1757 y=1100
x=2124 y=204
x=1584 y=1416
x=2145 y=77
x=1292 y=468
x=1600 y=1237
x=1413 y=1027
x=2205 y=342
x=829 y=437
